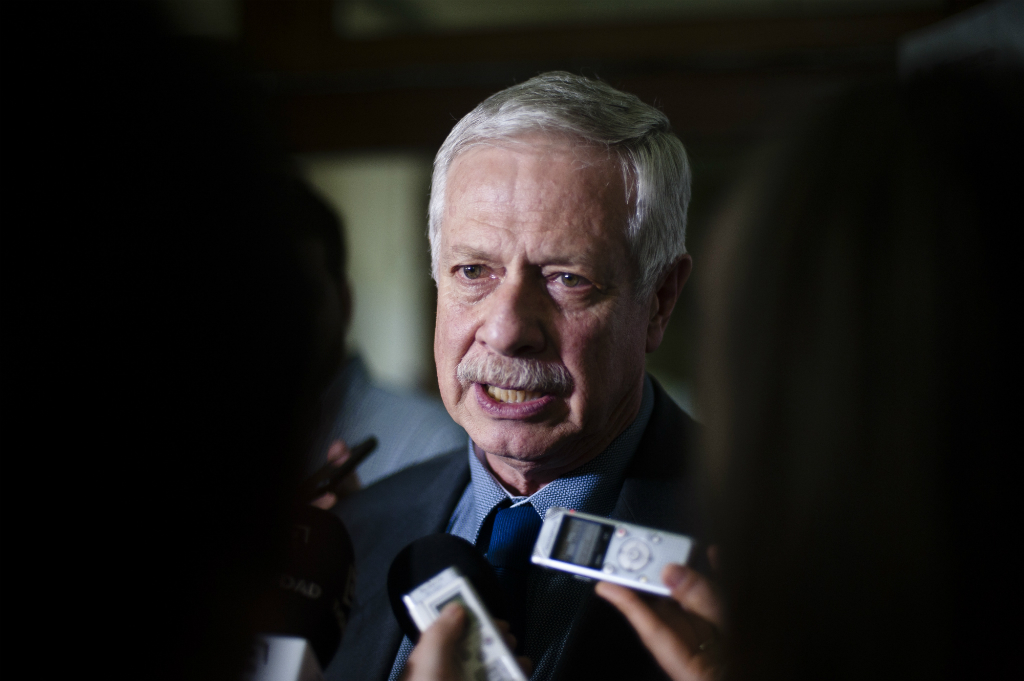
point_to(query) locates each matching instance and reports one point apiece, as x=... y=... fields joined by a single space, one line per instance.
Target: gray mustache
x=511 y=372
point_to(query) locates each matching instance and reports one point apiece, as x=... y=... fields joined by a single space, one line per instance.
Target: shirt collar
x=591 y=488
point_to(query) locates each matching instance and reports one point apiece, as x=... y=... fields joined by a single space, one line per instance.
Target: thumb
x=436 y=656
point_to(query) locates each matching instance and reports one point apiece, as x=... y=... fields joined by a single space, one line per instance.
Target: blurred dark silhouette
x=161 y=364
x=859 y=385
x=323 y=255
x=409 y=427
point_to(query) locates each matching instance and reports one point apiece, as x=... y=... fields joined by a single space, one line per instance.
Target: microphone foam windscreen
x=312 y=598
x=428 y=556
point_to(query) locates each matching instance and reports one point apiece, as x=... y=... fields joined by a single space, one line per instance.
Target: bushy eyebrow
x=469 y=253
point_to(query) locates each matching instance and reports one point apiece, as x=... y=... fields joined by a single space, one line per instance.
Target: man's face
x=534 y=265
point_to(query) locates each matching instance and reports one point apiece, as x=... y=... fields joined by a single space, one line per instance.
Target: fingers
x=525 y=663
x=629 y=604
x=678 y=658
x=713 y=557
x=349 y=485
x=693 y=592
x=435 y=657
x=326 y=502
x=506 y=634
x=338 y=452
x=447 y=628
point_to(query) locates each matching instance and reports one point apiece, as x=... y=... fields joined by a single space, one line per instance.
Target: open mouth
x=511 y=396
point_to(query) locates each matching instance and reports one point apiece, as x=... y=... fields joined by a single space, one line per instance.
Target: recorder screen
x=582 y=542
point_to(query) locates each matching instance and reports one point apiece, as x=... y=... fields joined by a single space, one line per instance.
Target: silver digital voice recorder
x=485 y=657
x=609 y=550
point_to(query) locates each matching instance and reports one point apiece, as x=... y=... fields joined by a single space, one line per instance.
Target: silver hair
x=518 y=373
x=653 y=161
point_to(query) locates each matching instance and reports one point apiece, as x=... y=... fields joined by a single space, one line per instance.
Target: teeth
x=513 y=396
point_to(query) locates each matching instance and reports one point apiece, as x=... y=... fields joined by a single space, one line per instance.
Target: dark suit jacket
x=418 y=501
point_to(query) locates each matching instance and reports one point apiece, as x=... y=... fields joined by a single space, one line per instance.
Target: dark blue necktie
x=509 y=545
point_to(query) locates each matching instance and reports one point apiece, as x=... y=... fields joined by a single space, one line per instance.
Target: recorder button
x=634 y=554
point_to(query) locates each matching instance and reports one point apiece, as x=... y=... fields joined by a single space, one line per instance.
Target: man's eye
x=570 y=280
x=472 y=271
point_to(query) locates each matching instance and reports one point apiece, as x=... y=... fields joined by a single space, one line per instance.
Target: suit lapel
x=380 y=528
x=655 y=492
x=656 y=488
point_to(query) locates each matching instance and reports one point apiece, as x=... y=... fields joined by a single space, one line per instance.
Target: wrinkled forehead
x=580 y=153
x=541 y=205
x=534 y=179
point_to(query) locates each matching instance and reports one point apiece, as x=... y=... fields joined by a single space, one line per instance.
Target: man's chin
x=515 y=440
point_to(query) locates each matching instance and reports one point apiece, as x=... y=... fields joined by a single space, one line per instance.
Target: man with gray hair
x=557 y=235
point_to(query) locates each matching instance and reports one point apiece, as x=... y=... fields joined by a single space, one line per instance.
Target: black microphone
x=428 y=556
x=313 y=593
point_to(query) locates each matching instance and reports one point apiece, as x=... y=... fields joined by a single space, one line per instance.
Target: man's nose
x=513 y=319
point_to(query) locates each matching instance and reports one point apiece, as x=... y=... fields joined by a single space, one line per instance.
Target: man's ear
x=664 y=300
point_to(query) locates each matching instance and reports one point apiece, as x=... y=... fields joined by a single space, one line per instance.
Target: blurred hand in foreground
x=682 y=632
x=337 y=454
x=437 y=655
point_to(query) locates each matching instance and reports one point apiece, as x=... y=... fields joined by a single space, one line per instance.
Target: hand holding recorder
x=438 y=655
x=683 y=633
x=680 y=631
x=425 y=579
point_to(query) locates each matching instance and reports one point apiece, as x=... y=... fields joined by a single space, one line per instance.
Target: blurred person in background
x=162 y=350
x=859 y=384
x=409 y=428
